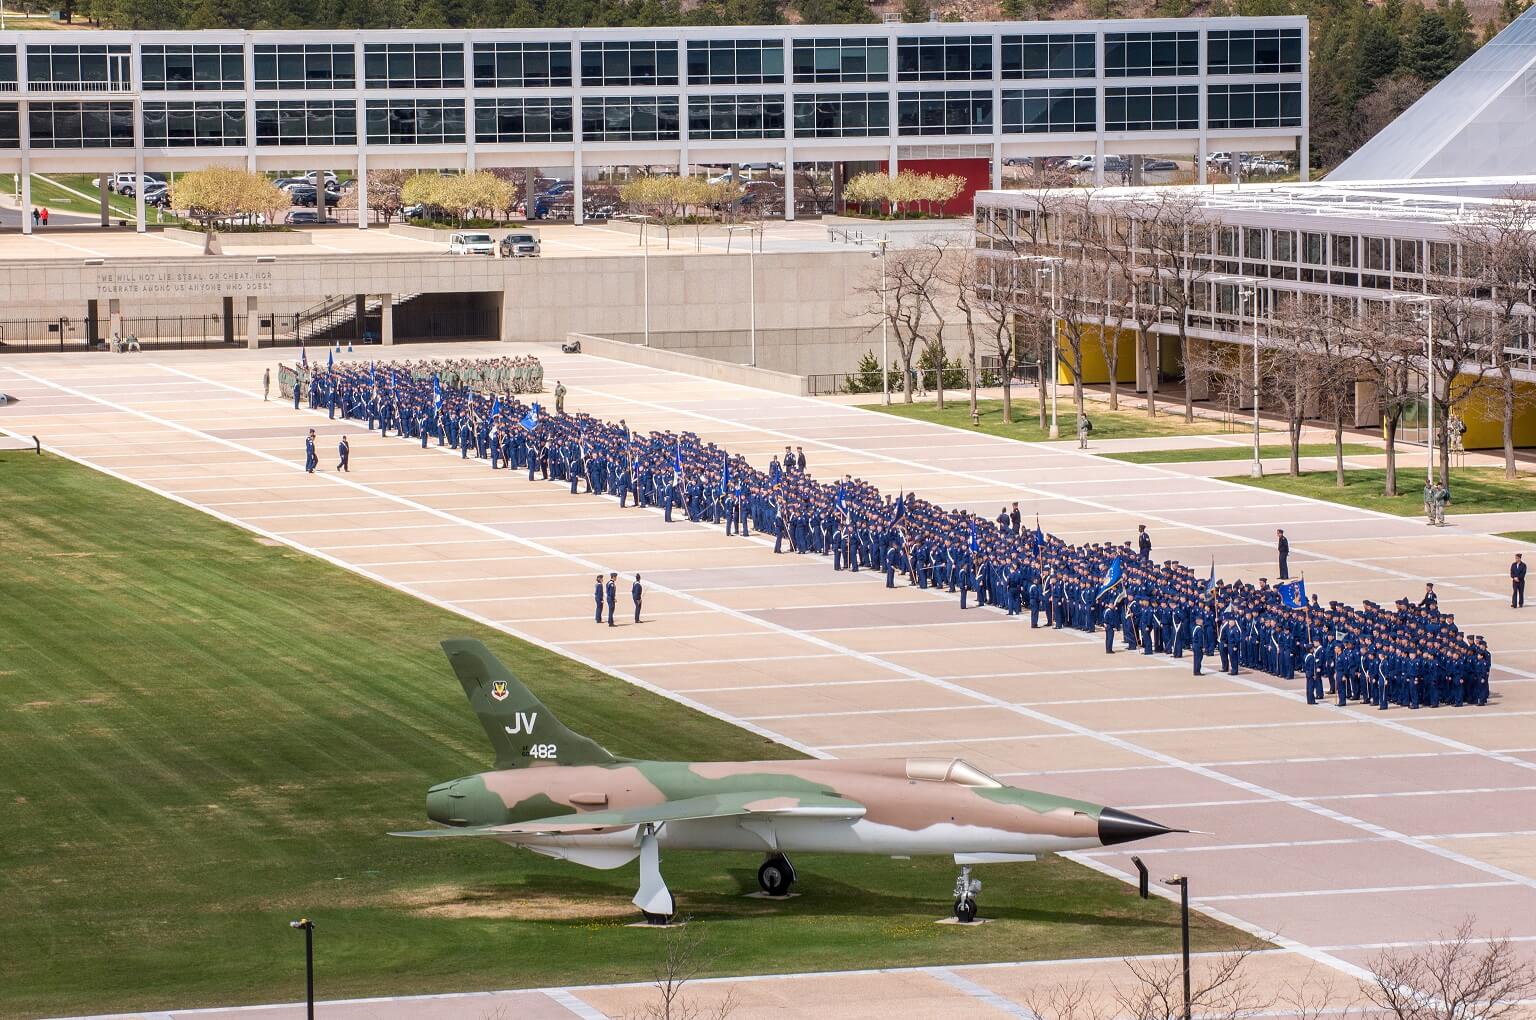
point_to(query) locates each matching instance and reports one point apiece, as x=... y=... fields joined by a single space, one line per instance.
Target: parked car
x=1016 y=161
x=156 y=193
x=467 y=243
x=520 y=244
x=1159 y=164
x=330 y=179
x=302 y=216
x=304 y=194
x=760 y=166
x=118 y=182
x=1112 y=163
x=1265 y=166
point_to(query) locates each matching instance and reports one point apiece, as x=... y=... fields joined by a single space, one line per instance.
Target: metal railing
x=80 y=86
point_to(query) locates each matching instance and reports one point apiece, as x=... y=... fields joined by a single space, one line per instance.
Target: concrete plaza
x=1336 y=830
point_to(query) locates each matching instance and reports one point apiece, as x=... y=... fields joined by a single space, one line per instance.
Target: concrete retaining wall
x=688 y=364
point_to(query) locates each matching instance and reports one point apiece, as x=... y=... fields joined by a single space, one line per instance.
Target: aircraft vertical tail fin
x=522 y=731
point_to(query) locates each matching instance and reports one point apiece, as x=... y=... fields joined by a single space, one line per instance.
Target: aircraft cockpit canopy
x=949 y=770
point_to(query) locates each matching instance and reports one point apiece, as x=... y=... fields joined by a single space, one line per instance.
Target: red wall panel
x=976 y=171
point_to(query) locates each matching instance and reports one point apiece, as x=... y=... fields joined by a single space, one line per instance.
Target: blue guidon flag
x=900 y=509
x=530 y=420
x=677 y=460
x=840 y=500
x=1293 y=594
x=725 y=472
x=974 y=543
x=1111 y=579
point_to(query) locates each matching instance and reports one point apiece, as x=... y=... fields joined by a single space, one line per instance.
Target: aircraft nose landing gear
x=776 y=875
x=966 y=889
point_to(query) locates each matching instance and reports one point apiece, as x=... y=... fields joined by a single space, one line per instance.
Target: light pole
x=645 y=274
x=1424 y=312
x=1182 y=881
x=1248 y=290
x=730 y=232
x=885 y=321
x=1048 y=264
x=308 y=927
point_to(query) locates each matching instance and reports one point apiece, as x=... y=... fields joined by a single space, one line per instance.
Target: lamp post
x=1248 y=291
x=1182 y=881
x=730 y=232
x=645 y=277
x=308 y=927
x=1424 y=312
x=885 y=320
x=1047 y=266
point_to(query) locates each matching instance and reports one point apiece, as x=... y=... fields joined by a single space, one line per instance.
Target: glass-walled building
x=894 y=94
x=1250 y=256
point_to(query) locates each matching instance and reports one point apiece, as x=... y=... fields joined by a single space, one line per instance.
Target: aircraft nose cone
x=1120 y=827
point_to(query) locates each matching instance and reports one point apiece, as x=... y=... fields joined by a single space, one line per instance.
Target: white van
x=465 y=243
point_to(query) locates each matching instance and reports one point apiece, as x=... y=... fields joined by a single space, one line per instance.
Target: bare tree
x=1388 y=357
x=684 y=956
x=1289 y=367
x=1498 y=253
x=1332 y=347
x=902 y=296
x=1069 y=1000
x=1458 y=977
x=1173 y=234
x=1220 y=989
x=982 y=308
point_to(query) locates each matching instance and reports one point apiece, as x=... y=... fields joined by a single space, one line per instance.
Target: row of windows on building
x=216 y=122
x=221 y=67
x=1381 y=263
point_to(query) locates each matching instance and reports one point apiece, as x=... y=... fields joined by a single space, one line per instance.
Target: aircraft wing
x=757 y=802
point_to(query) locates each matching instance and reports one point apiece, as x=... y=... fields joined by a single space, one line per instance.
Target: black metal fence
x=924 y=381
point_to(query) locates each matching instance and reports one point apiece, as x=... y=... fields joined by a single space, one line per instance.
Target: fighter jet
x=560 y=794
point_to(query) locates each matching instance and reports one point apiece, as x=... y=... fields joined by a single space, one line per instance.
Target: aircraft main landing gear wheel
x=965 y=911
x=776 y=876
x=660 y=920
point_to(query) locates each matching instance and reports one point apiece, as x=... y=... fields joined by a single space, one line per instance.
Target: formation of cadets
x=1411 y=654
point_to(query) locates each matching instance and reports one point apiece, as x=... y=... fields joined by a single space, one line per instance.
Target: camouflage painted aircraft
x=562 y=795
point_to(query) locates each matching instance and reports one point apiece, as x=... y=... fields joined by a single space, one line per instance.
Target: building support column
x=387 y=320
x=106 y=208
x=997 y=166
x=1136 y=170
x=789 y=182
x=252 y=324
x=578 y=191
x=25 y=176
x=226 y=311
x=114 y=317
x=1367 y=404
x=139 y=224
x=362 y=190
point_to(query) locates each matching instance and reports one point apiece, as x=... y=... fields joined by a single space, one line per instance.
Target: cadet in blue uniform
x=597 y=596
x=611 y=593
x=310 y=459
x=635 y=593
x=1283 y=548
x=344 y=451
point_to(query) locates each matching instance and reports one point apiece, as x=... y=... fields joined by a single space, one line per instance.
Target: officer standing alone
x=1517 y=582
x=1283 y=547
x=344 y=451
x=311 y=460
x=635 y=593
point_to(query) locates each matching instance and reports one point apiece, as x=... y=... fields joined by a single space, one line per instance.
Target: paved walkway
x=1336 y=830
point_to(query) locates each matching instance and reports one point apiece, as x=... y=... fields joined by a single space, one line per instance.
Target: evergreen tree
x=1014 y=10
x=1430 y=51
x=914 y=11
x=834 y=12
x=1375 y=55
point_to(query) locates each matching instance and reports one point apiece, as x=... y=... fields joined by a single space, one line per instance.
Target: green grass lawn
x=46 y=192
x=1026 y=421
x=1205 y=453
x=1473 y=490
x=204 y=736
x=1519 y=536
